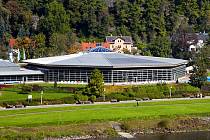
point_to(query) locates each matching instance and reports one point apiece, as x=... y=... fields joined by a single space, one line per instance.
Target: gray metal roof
x=111 y=39
x=107 y=59
x=21 y=72
x=8 y=66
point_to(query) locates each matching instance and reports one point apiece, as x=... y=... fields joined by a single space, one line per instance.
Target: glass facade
x=21 y=78
x=81 y=75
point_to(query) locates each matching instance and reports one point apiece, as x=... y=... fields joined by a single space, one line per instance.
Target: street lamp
x=41 y=96
x=104 y=97
x=170 y=91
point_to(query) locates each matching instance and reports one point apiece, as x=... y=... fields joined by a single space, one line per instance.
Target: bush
x=206 y=89
x=92 y=98
x=36 y=87
x=68 y=100
x=118 y=96
x=80 y=97
x=25 y=89
x=154 y=91
x=182 y=89
x=163 y=124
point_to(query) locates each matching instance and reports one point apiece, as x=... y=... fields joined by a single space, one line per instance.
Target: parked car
x=19 y=106
x=113 y=100
x=146 y=99
x=138 y=99
x=9 y=106
x=84 y=102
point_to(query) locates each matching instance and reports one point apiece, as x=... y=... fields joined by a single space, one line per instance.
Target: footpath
x=103 y=103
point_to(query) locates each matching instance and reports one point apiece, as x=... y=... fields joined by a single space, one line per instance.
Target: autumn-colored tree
x=74 y=48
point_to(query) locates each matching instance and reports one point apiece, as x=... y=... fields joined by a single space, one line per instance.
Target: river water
x=177 y=136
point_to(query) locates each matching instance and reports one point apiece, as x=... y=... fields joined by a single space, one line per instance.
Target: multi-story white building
x=120 y=44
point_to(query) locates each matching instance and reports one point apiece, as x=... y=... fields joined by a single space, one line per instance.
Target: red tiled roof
x=106 y=45
x=12 y=42
x=88 y=45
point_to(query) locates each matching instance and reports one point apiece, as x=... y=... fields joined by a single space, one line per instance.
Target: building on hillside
x=198 y=42
x=12 y=73
x=116 y=68
x=193 y=41
x=120 y=43
x=90 y=45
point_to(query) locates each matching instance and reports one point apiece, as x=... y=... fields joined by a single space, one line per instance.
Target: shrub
x=36 y=87
x=92 y=98
x=55 y=84
x=25 y=89
x=118 y=96
x=125 y=126
x=76 y=97
x=68 y=100
x=206 y=88
x=163 y=124
x=80 y=97
x=181 y=89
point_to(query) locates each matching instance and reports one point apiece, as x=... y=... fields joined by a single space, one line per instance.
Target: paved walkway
x=104 y=103
x=117 y=128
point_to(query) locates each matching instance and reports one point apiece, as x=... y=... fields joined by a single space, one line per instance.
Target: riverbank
x=96 y=121
x=105 y=130
x=167 y=125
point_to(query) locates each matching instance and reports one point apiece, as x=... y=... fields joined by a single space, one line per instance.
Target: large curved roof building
x=116 y=67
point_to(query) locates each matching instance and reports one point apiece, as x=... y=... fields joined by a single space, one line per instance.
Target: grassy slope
x=101 y=113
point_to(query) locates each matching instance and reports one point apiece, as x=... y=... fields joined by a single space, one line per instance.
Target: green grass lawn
x=102 y=113
x=11 y=94
x=209 y=74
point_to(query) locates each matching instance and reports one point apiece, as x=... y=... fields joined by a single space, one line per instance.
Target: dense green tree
x=58 y=44
x=91 y=20
x=41 y=49
x=56 y=19
x=4 y=22
x=20 y=16
x=180 y=40
x=201 y=63
x=160 y=47
x=96 y=84
x=88 y=17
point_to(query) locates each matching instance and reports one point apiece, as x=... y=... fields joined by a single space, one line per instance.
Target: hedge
x=154 y=91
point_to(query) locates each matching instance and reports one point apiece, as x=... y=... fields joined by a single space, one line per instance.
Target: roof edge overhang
x=115 y=66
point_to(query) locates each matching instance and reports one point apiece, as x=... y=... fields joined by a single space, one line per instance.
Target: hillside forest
x=57 y=27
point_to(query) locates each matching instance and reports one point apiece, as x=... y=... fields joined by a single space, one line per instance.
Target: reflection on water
x=177 y=136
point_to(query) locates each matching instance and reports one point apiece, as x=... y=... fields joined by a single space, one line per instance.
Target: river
x=177 y=136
